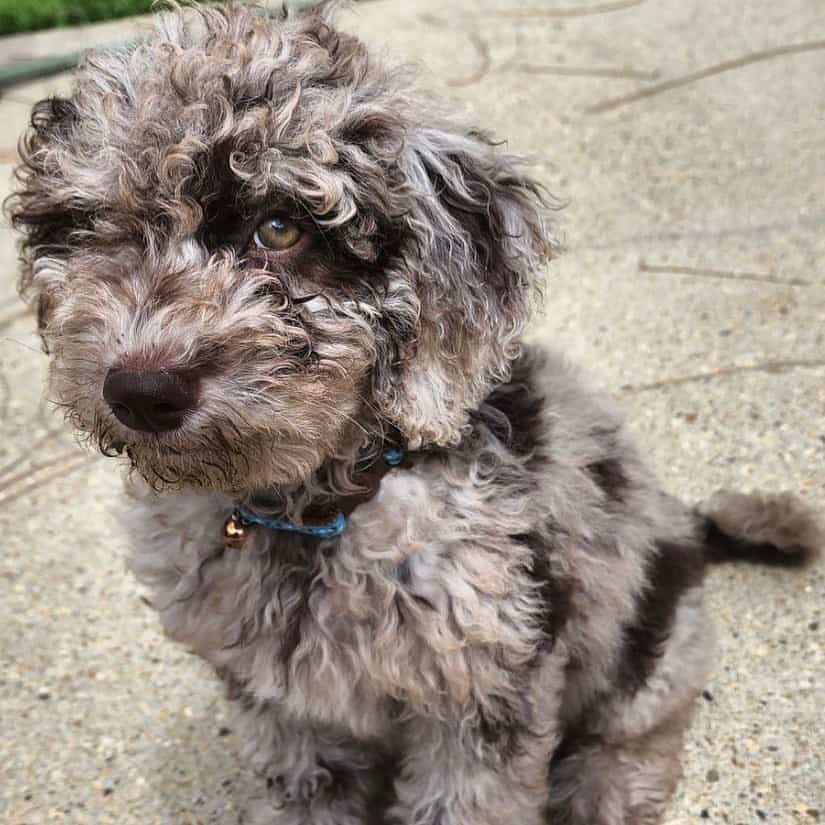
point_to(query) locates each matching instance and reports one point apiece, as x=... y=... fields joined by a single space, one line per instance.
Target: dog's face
x=247 y=242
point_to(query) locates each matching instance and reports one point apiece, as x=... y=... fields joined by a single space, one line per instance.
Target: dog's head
x=246 y=240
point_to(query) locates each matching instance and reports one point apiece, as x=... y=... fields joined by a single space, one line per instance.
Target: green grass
x=30 y=15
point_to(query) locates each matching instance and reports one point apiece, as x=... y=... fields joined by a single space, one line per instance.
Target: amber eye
x=277 y=233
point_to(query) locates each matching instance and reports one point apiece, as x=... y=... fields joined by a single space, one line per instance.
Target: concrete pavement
x=688 y=138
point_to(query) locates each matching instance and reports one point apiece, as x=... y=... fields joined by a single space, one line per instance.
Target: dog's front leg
x=313 y=774
x=489 y=766
x=453 y=777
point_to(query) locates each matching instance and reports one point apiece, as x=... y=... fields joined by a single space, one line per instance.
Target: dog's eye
x=277 y=233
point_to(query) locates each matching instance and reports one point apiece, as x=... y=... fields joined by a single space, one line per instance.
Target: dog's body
x=527 y=587
x=510 y=625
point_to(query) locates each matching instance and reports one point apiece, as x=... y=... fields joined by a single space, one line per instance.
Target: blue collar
x=242 y=519
x=245 y=518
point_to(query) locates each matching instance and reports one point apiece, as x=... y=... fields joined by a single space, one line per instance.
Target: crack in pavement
x=10 y=481
x=69 y=467
x=710 y=71
x=581 y=11
x=723 y=274
x=40 y=442
x=15 y=315
x=772 y=367
x=588 y=71
x=485 y=62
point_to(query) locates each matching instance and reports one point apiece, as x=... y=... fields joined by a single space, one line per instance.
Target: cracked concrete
x=686 y=138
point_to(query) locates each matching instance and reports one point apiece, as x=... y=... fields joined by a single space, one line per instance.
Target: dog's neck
x=333 y=491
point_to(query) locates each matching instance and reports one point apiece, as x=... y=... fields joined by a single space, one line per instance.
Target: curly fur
x=432 y=239
x=510 y=629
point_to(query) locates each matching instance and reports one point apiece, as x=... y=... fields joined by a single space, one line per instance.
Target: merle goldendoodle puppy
x=434 y=571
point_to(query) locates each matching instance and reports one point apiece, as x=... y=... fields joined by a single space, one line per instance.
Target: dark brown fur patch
x=513 y=412
x=674 y=568
x=555 y=594
x=608 y=473
x=575 y=739
x=503 y=728
x=384 y=795
x=610 y=477
x=295 y=618
x=722 y=547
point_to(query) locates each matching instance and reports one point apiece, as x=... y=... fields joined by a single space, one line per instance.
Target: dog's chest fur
x=416 y=604
x=446 y=588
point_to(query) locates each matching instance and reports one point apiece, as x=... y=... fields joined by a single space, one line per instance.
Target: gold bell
x=234 y=532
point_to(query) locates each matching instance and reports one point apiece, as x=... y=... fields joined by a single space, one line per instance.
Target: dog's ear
x=476 y=244
x=42 y=208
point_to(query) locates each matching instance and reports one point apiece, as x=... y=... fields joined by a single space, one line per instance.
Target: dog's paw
x=330 y=811
x=270 y=812
x=303 y=788
x=260 y=812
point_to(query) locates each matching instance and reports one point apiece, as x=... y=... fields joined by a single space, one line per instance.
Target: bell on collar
x=234 y=531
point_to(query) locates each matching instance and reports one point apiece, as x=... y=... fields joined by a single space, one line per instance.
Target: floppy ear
x=42 y=207
x=476 y=241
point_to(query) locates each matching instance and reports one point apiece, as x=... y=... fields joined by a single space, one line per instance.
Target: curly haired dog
x=434 y=572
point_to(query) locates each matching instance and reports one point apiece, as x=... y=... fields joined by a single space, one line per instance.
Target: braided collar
x=242 y=520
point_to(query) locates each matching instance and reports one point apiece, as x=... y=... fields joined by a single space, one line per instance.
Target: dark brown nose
x=151 y=402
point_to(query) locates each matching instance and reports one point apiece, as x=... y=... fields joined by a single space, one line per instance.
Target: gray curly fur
x=510 y=629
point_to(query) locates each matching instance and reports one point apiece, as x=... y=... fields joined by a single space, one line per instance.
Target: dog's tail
x=763 y=528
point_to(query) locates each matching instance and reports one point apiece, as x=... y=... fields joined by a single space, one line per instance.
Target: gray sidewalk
x=689 y=141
